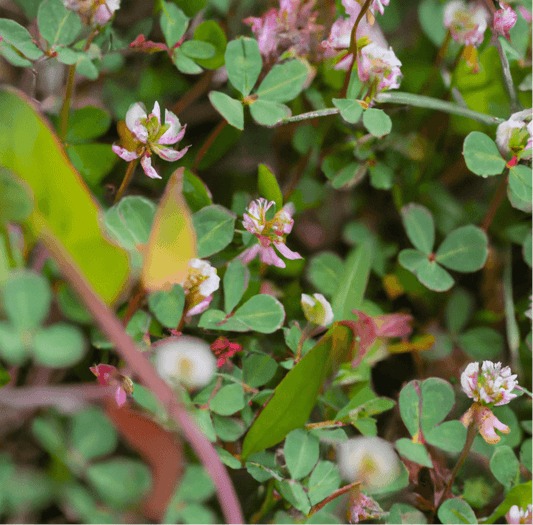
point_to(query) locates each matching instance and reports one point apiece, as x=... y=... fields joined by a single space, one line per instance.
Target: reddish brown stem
x=496 y=201
x=207 y=144
x=331 y=497
x=194 y=93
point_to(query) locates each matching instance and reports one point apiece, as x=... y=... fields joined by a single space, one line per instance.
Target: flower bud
x=317 y=309
x=187 y=360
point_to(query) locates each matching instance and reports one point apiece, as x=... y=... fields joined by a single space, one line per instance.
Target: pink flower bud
x=504 y=19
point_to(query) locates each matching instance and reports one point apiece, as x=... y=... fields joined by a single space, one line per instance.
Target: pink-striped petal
x=125 y=154
x=173 y=134
x=135 y=112
x=157 y=111
x=289 y=254
x=169 y=154
x=146 y=163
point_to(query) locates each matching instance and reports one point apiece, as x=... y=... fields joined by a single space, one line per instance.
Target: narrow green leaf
x=185 y=64
x=229 y=108
x=295 y=396
x=235 y=283
x=420 y=227
x=284 y=82
x=353 y=282
x=268 y=187
x=324 y=271
x=411 y=259
x=464 y=250
x=196 y=193
x=243 y=63
x=481 y=155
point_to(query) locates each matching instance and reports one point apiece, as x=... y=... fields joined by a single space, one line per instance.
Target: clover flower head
x=492 y=386
x=291 y=27
x=150 y=135
x=378 y=5
x=199 y=286
x=467 y=24
x=317 y=309
x=518 y=515
x=504 y=19
x=270 y=233
x=224 y=350
x=371 y=460
x=341 y=30
x=93 y=12
x=187 y=360
x=380 y=65
x=515 y=135
x=109 y=375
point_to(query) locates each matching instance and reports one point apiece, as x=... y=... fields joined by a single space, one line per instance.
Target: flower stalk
x=127 y=179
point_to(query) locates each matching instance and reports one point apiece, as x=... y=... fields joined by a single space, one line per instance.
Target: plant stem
x=508 y=79
x=63 y=116
x=409 y=99
x=495 y=203
x=336 y=494
x=112 y=328
x=126 y=180
x=470 y=436
x=207 y=143
x=269 y=502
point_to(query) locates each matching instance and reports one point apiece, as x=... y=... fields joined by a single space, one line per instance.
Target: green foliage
x=505 y=467
x=167 y=307
x=229 y=108
x=482 y=155
x=173 y=22
x=57 y=24
x=243 y=64
x=377 y=122
x=350 y=109
x=268 y=187
x=214 y=227
x=456 y=511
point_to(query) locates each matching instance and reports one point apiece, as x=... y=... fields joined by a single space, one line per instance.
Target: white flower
x=517 y=514
x=515 y=136
x=370 y=460
x=209 y=280
x=199 y=286
x=317 y=309
x=467 y=24
x=187 y=360
x=93 y=11
x=492 y=386
x=379 y=64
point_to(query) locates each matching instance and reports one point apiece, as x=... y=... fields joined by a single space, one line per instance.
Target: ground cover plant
x=265 y=262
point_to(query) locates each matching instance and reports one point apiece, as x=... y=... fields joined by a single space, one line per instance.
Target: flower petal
x=175 y=132
x=135 y=112
x=169 y=154
x=120 y=396
x=125 y=154
x=289 y=254
x=146 y=163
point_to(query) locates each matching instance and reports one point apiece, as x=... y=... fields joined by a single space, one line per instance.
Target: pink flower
x=291 y=27
x=504 y=19
x=224 y=350
x=363 y=507
x=150 y=135
x=340 y=34
x=379 y=5
x=486 y=422
x=368 y=329
x=493 y=386
x=109 y=375
x=467 y=24
x=380 y=66
x=93 y=11
x=271 y=233
x=518 y=515
x=199 y=286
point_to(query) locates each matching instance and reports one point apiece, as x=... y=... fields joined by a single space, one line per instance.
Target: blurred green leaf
x=481 y=343
x=464 y=250
x=86 y=124
x=93 y=161
x=324 y=271
x=243 y=63
x=228 y=400
x=377 y=122
x=414 y=452
x=420 y=227
x=459 y=310
x=214 y=227
x=505 y=466
x=209 y=31
x=301 y=452
x=57 y=24
x=404 y=513
x=92 y=434
x=268 y=113
x=58 y=346
x=196 y=193
x=18 y=36
x=50 y=434
x=381 y=176
x=229 y=108
x=268 y=187
x=519 y=495
x=120 y=481
x=481 y=155
x=262 y=313
x=198 y=49
x=520 y=181
x=173 y=22
x=284 y=82
x=235 y=284
x=350 y=109
x=167 y=307
x=16 y=199
x=352 y=283
x=228 y=429
x=456 y=511
x=428 y=12
x=29 y=148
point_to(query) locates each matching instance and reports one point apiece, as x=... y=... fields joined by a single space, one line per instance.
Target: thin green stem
x=127 y=179
x=422 y=101
x=508 y=79
x=513 y=333
x=269 y=502
x=496 y=201
x=409 y=99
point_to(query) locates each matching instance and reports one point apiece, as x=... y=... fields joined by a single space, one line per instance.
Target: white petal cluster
x=186 y=360
x=209 y=280
x=518 y=122
x=492 y=386
x=317 y=309
x=370 y=460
